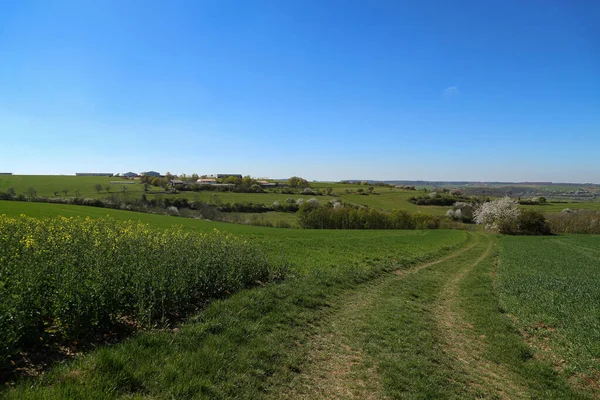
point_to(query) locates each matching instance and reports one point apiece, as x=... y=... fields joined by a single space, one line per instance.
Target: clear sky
x=328 y=90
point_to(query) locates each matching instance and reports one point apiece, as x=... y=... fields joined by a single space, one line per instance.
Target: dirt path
x=337 y=367
x=465 y=348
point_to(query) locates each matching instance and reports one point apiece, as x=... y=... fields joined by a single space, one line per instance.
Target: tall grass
x=72 y=276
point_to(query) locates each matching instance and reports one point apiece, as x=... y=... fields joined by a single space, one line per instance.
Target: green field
x=558 y=207
x=232 y=197
x=46 y=185
x=346 y=247
x=387 y=200
x=551 y=287
x=364 y=314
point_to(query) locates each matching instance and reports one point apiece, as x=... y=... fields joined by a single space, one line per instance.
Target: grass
x=46 y=185
x=434 y=331
x=393 y=200
x=479 y=322
x=558 y=207
x=249 y=344
x=550 y=286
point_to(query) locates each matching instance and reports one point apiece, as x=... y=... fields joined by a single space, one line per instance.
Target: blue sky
x=328 y=90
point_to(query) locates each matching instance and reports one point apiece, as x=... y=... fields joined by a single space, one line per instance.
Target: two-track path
x=341 y=365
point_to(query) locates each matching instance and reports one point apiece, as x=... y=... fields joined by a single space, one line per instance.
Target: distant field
x=46 y=185
x=558 y=207
x=232 y=197
x=383 y=198
x=388 y=200
x=307 y=249
x=551 y=286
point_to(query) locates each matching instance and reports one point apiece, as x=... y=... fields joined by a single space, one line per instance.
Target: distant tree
x=107 y=188
x=123 y=188
x=65 y=191
x=77 y=192
x=296 y=181
x=364 y=183
x=194 y=177
x=360 y=190
x=232 y=180
x=31 y=193
x=542 y=200
x=247 y=181
x=168 y=176
x=329 y=191
x=146 y=187
x=371 y=188
x=56 y=193
x=11 y=192
x=98 y=187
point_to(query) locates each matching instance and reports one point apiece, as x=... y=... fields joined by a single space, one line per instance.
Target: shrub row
x=313 y=216
x=70 y=277
x=575 y=221
x=439 y=200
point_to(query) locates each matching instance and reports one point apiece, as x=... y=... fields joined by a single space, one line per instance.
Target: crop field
x=47 y=185
x=551 y=286
x=389 y=200
x=70 y=276
x=359 y=313
x=558 y=207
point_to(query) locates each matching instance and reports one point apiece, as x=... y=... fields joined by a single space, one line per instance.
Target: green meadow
x=360 y=314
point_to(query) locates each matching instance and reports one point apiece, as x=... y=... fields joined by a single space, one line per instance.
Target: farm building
x=267 y=184
x=206 y=181
x=151 y=173
x=130 y=175
x=176 y=183
x=93 y=174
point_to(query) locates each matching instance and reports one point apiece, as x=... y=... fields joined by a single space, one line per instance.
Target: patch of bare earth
x=337 y=368
x=465 y=347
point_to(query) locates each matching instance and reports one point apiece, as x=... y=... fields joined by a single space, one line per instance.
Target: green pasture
x=384 y=199
x=558 y=207
x=46 y=185
x=550 y=285
x=306 y=248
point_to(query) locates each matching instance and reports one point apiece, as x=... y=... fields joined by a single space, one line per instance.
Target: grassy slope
x=393 y=200
x=46 y=185
x=437 y=332
x=551 y=286
x=249 y=344
x=349 y=247
x=434 y=331
x=385 y=199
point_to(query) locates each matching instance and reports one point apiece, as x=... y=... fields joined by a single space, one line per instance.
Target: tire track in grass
x=463 y=346
x=337 y=366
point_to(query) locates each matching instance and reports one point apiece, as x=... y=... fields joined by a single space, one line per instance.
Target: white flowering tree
x=499 y=215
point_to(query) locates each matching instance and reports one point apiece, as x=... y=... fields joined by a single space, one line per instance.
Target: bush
x=313 y=216
x=501 y=215
x=531 y=222
x=436 y=199
x=461 y=211
x=575 y=221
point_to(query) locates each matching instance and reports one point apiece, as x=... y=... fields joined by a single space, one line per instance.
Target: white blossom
x=498 y=214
